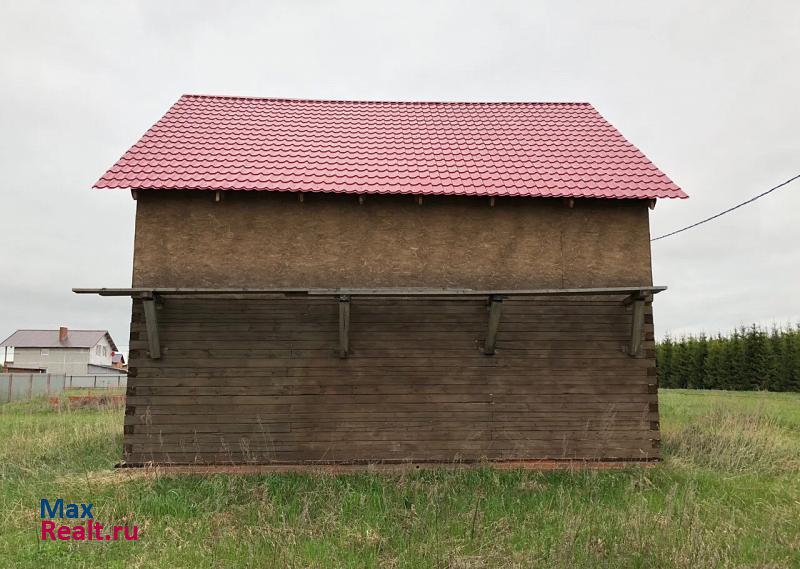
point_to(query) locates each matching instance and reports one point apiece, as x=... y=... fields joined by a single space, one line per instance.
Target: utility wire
x=720 y=214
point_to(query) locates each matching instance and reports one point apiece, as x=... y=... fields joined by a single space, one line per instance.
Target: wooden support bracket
x=643 y=294
x=495 y=311
x=637 y=325
x=344 y=325
x=151 y=324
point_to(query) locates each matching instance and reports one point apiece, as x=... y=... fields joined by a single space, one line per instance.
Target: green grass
x=726 y=495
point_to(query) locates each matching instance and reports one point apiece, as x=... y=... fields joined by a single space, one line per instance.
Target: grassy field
x=726 y=495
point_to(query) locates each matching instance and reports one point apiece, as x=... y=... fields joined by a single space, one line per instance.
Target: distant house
x=118 y=361
x=71 y=352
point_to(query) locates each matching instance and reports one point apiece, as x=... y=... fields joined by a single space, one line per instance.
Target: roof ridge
x=376 y=102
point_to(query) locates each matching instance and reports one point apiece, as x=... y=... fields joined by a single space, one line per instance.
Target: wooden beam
x=344 y=326
x=652 y=204
x=135 y=194
x=630 y=292
x=491 y=201
x=300 y=196
x=360 y=200
x=637 y=326
x=633 y=296
x=643 y=294
x=151 y=324
x=218 y=196
x=495 y=310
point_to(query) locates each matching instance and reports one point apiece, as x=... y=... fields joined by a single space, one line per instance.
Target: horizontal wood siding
x=261 y=380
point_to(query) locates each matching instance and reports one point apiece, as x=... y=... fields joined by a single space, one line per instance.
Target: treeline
x=751 y=358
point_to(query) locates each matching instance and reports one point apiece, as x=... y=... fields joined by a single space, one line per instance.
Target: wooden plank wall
x=260 y=380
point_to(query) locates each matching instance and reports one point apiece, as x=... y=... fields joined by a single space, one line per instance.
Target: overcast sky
x=710 y=91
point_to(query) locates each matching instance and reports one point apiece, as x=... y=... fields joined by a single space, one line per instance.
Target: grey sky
x=708 y=90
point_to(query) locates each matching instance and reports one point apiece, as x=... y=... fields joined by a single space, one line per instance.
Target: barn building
x=381 y=282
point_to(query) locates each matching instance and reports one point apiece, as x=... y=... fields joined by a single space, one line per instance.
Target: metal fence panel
x=97 y=381
x=18 y=386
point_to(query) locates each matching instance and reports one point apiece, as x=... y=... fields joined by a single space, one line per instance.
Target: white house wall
x=104 y=358
x=70 y=361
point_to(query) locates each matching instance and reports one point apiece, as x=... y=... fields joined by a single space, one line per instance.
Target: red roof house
x=389 y=282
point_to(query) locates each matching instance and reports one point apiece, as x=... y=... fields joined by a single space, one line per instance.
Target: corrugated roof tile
x=480 y=149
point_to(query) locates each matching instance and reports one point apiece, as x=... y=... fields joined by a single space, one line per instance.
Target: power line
x=720 y=214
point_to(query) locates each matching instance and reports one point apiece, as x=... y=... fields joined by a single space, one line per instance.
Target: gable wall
x=260 y=379
x=256 y=239
x=101 y=359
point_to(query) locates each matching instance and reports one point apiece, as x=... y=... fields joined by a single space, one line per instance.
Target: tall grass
x=736 y=443
x=727 y=495
x=38 y=439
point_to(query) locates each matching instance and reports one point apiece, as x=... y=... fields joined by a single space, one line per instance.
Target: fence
x=18 y=386
x=96 y=381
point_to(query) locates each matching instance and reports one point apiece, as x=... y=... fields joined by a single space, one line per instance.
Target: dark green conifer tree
x=748 y=358
x=715 y=363
x=681 y=365
x=664 y=362
x=698 y=351
x=734 y=363
x=759 y=360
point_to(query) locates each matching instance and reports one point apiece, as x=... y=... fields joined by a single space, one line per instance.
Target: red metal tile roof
x=479 y=149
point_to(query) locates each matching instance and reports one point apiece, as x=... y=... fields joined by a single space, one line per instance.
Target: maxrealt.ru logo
x=86 y=530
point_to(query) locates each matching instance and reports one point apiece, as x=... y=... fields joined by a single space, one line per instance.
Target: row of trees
x=749 y=358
